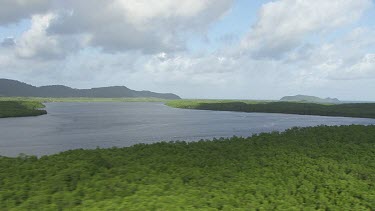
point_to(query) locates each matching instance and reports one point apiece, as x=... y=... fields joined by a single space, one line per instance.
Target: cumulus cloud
x=35 y=43
x=12 y=11
x=113 y=26
x=283 y=25
x=347 y=57
x=149 y=26
x=362 y=69
x=140 y=44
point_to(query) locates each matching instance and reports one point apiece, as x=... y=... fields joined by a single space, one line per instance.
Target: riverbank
x=361 y=110
x=21 y=108
x=302 y=168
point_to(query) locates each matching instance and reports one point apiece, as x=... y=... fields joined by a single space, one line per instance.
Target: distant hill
x=310 y=99
x=10 y=88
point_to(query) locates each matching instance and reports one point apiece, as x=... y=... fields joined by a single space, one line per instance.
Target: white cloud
x=35 y=43
x=142 y=42
x=348 y=57
x=283 y=25
x=363 y=69
x=149 y=26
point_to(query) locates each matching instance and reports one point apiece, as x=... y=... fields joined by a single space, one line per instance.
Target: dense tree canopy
x=326 y=168
x=20 y=108
x=362 y=110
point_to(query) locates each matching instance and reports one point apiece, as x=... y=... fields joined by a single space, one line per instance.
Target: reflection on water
x=90 y=125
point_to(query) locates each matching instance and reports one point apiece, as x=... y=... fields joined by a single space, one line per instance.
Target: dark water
x=88 y=125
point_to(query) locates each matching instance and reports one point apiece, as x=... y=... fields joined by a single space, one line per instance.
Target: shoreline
x=15 y=109
x=354 y=110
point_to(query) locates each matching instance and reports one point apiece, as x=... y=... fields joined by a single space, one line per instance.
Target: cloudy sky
x=237 y=49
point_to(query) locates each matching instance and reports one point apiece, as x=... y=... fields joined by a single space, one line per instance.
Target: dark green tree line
x=319 y=168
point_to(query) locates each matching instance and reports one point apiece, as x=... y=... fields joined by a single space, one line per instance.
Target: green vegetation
x=319 y=168
x=82 y=99
x=195 y=103
x=20 y=108
x=362 y=110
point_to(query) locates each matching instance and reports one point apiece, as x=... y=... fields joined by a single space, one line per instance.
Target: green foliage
x=20 y=108
x=197 y=103
x=363 y=110
x=319 y=168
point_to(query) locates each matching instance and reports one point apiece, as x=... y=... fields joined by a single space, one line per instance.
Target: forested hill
x=9 y=88
x=310 y=99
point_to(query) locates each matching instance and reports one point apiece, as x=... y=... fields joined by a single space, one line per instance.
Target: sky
x=216 y=49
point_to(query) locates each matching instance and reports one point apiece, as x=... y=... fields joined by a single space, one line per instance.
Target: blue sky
x=195 y=48
x=235 y=24
x=14 y=29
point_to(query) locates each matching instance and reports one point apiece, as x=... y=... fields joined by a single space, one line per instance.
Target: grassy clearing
x=319 y=168
x=20 y=108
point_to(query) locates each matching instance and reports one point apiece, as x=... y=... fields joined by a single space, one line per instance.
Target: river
x=90 y=125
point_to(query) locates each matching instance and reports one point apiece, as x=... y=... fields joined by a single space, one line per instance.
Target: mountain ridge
x=14 y=88
x=310 y=99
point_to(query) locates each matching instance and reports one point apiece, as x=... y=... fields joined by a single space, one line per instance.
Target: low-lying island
x=21 y=108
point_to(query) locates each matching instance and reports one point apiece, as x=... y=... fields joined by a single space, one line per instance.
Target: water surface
x=90 y=125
